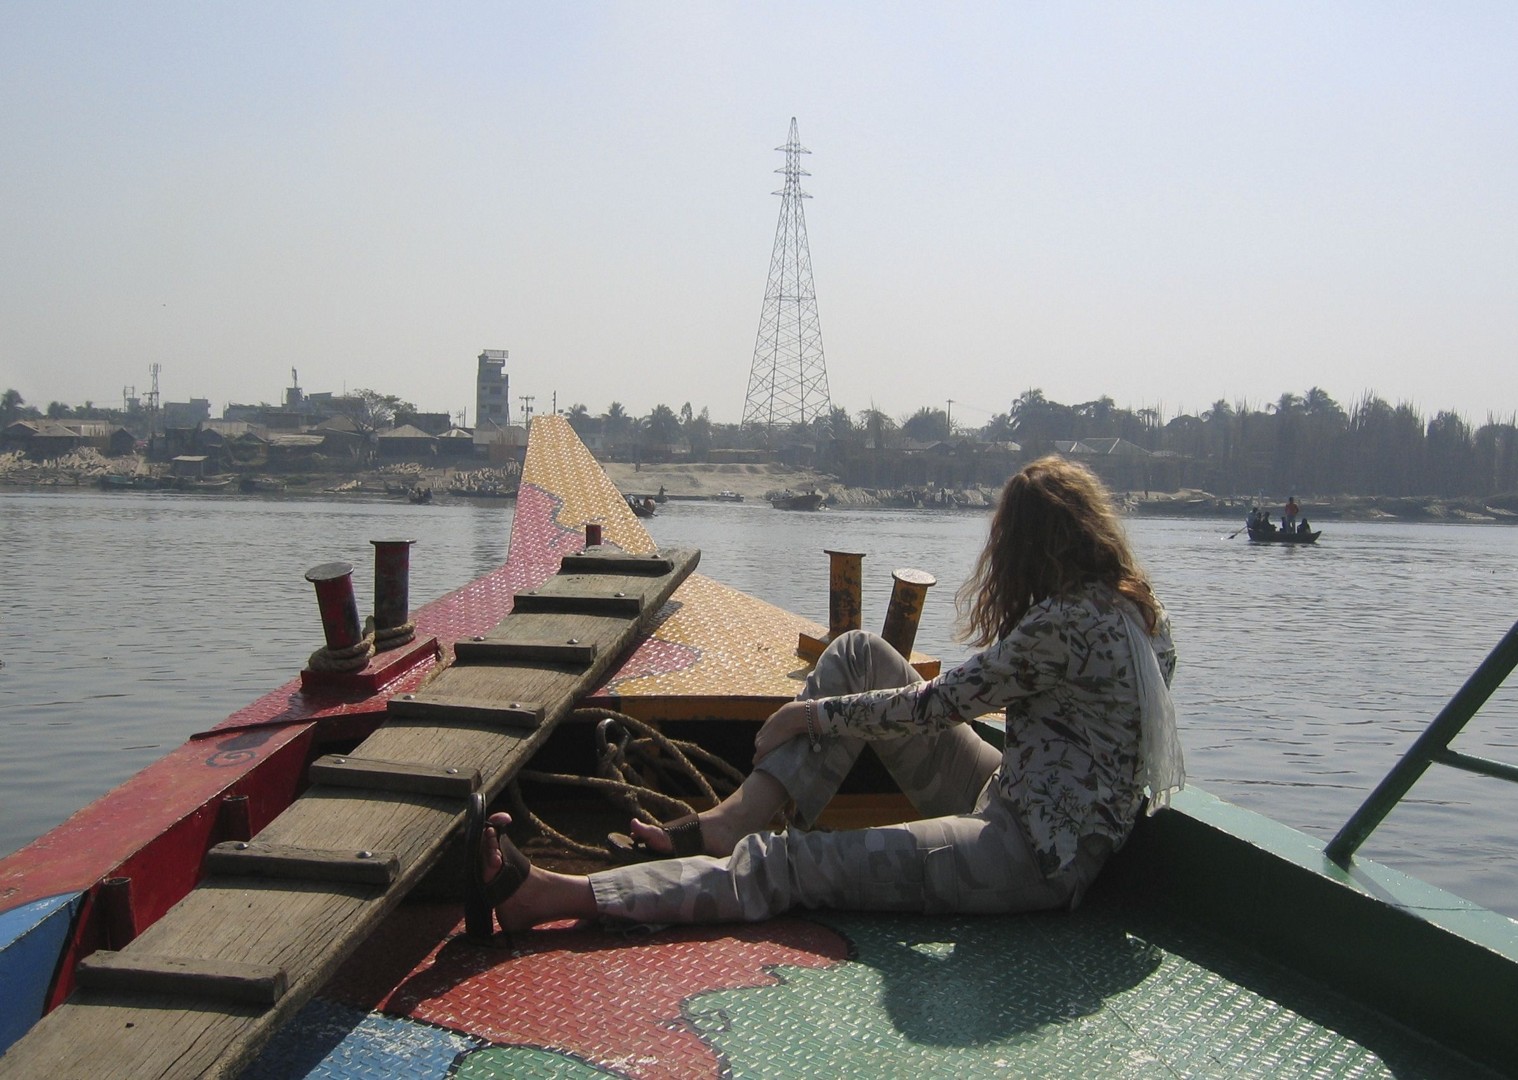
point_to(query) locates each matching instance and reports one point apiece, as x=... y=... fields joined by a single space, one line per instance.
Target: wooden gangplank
x=200 y=991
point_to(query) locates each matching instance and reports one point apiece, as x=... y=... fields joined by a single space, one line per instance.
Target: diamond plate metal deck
x=1105 y=992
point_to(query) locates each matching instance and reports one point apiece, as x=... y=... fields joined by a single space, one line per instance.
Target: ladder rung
x=587 y=603
x=615 y=562
x=254 y=858
x=501 y=649
x=443 y=710
x=411 y=777
x=223 y=980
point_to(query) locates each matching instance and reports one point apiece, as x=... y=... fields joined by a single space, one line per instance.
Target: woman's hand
x=783 y=725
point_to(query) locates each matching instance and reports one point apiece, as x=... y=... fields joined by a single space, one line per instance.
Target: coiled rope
x=633 y=762
x=356 y=656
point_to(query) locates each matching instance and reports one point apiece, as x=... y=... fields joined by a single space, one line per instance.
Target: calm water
x=128 y=622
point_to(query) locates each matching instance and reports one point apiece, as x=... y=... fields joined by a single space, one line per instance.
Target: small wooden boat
x=791 y=500
x=1272 y=535
x=642 y=507
x=419 y=495
x=128 y=482
x=727 y=496
x=248 y=902
x=204 y=486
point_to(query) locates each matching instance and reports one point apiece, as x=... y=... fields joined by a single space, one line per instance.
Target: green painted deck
x=1109 y=991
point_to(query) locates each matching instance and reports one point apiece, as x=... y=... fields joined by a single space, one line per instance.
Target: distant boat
x=790 y=500
x=486 y=491
x=1276 y=536
x=727 y=496
x=128 y=482
x=643 y=507
x=262 y=485
x=203 y=485
x=420 y=495
x=1263 y=531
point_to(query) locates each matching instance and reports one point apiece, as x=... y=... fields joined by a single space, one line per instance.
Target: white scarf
x=1161 y=766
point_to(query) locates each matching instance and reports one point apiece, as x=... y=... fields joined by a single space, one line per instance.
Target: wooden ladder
x=203 y=989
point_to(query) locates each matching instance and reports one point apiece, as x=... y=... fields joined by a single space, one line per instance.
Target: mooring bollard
x=844 y=568
x=117 y=918
x=905 y=611
x=233 y=821
x=392 y=575
x=339 y=610
x=592 y=534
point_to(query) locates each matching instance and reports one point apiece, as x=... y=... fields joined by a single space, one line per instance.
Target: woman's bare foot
x=748 y=810
x=543 y=897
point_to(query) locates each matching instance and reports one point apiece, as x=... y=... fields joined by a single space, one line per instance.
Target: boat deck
x=1112 y=990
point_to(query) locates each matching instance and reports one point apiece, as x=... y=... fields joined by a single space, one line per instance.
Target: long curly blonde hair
x=1054 y=530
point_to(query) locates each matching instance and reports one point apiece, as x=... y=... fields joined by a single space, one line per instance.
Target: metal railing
x=1432 y=747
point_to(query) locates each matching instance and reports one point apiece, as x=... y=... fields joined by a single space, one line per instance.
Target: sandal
x=481 y=897
x=685 y=840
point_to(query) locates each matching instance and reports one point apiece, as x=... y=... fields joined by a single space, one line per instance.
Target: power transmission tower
x=788 y=383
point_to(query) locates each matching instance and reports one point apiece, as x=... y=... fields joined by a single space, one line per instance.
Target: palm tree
x=998 y=429
x=925 y=425
x=662 y=428
x=615 y=422
x=1287 y=453
x=10 y=406
x=579 y=418
x=1037 y=421
x=698 y=432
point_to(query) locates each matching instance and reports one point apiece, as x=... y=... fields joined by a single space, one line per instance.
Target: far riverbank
x=755 y=483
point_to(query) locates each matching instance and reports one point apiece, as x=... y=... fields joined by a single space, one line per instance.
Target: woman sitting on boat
x=1076 y=649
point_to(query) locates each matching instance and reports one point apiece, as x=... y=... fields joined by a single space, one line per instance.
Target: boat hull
x=1257 y=536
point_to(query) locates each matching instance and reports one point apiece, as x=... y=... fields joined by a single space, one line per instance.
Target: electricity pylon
x=788 y=383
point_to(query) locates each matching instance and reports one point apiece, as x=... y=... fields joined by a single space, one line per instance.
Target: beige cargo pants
x=967 y=855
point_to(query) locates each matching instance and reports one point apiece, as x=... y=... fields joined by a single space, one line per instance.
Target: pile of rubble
x=79 y=467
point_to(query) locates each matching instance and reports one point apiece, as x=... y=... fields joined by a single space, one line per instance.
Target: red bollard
x=116 y=915
x=844 y=590
x=905 y=611
x=392 y=575
x=334 y=596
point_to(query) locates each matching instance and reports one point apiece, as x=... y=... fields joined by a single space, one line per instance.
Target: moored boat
x=129 y=482
x=792 y=500
x=1216 y=942
x=204 y=485
x=727 y=496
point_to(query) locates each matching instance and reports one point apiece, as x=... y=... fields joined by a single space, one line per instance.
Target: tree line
x=1304 y=443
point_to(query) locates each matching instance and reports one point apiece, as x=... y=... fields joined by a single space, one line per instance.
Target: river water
x=129 y=621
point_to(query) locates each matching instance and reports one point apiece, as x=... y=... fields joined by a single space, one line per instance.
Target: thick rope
x=629 y=769
x=393 y=637
x=356 y=656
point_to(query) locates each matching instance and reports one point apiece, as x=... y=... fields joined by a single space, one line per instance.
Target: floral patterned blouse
x=1064 y=676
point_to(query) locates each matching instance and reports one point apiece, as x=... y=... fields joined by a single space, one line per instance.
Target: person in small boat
x=1076 y=649
x=1289 y=517
x=1303 y=529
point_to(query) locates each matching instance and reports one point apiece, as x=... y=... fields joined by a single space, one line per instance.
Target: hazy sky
x=1167 y=203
